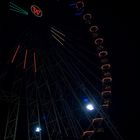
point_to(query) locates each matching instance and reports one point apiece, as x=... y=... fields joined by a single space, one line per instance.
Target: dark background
x=125 y=62
x=120 y=22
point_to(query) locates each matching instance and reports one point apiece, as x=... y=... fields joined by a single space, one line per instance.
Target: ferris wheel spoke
x=68 y=114
x=56 y=34
x=18 y=11
x=64 y=72
x=79 y=63
x=57 y=40
x=35 y=68
x=43 y=112
x=83 y=55
x=85 y=78
x=15 y=8
x=54 y=29
x=77 y=73
x=79 y=101
x=11 y=4
x=54 y=106
x=78 y=45
x=71 y=114
x=70 y=42
x=15 y=54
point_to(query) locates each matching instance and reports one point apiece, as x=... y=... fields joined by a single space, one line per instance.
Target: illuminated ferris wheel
x=58 y=81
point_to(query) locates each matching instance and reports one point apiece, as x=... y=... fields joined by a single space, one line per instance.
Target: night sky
x=120 y=32
x=125 y=64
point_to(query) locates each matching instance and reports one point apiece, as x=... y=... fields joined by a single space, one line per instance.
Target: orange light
x=106 y=67
x=99 y=41
x=88 y=133
x=103 y=54
x=107 y=80
x=93 y=29
x=106 y=93
x=15 y=54
x=25 y=58
x=87 y=16
x=97 y=120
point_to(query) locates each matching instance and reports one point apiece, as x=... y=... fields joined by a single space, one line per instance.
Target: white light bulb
x=38 y=129
x=90 y=107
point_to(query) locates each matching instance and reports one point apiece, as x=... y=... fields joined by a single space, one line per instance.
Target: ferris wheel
x=57 y=84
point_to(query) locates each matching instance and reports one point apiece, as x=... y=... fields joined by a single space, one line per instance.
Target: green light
x=25 y=13
x=20 y=11
x=14 y=5
x=15 y=8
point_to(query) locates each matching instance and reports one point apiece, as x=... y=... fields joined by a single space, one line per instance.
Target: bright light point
x=90 y=107
x=38 y=129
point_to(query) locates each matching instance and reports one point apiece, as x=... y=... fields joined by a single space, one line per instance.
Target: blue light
x=86 y=100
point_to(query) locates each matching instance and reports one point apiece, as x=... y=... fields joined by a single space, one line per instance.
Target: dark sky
x=125 y=68
x=121 y=26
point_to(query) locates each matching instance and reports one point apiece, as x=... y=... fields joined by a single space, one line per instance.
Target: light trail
x=58 y=40
x=14 y=5
x=24 y=13
x=57 y=35
x=25 y=59
x=58 y=31
x=15 y=8
x=15 y=54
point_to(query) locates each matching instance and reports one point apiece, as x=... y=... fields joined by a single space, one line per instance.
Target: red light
x=15 y=53
x=36 y=11
x=25 y=58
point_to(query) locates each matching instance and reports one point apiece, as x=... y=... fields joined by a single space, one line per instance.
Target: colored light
x=36 y=11
x=15 y=53
x=15 y=8
x=25 y=58
x=86 y=100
